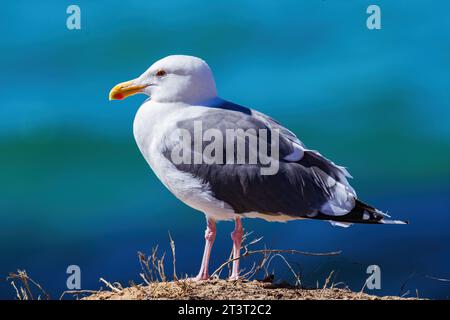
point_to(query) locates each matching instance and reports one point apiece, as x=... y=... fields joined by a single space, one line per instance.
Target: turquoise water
x=75 y=189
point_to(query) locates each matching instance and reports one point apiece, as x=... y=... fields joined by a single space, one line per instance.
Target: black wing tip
x=363 y=213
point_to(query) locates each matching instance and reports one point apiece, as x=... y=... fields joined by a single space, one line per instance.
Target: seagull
x=182 y=96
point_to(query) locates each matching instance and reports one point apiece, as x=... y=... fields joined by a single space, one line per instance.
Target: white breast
x=153 y=124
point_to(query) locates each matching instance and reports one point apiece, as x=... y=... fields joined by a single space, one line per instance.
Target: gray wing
x=274 y=124
x=305 y=185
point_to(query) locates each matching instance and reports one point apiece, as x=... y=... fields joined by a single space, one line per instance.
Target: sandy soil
x=231 y=290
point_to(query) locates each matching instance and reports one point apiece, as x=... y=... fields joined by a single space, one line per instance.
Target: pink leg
x=236 y=235
x=210 y=235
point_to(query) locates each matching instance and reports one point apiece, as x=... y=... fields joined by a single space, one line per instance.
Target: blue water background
x=75 y=190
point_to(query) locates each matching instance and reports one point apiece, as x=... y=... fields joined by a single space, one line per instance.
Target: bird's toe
x=233 y=278
x=200 y=277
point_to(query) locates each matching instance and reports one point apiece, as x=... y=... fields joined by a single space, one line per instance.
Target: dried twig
x=415 y=275
x=153 y=266
x=298 y=283
x=25 y=290
x=18 y=295
x=327 y=280
x=174 y=260
x=113 y=287
x=77 y=292
x=405 y=294
x=438 y=279
x=147 y=273
x=272 y=251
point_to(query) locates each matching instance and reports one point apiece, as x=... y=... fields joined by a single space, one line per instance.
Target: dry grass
x=26 y=288
x=156 y=284
x=217 y=289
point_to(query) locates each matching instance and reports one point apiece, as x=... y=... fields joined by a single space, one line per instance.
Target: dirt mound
x=229 y=290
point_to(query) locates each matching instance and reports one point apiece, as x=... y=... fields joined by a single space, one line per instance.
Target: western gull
x=182 y=132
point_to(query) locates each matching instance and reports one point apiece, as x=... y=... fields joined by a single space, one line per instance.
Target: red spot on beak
x=118 y=96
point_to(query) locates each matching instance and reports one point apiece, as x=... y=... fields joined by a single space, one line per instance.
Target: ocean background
x=74 y=188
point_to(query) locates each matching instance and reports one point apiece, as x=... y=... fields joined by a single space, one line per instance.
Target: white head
x=175 y=78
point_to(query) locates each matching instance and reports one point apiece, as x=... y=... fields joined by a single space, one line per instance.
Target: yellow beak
x=125 y=89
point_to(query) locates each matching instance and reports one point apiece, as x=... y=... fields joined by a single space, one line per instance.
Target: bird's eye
x=160 y=73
